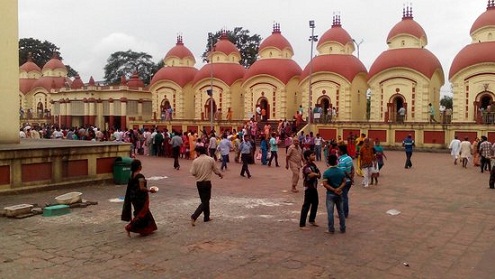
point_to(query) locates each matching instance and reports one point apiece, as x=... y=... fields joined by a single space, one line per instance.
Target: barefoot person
x=202 y=168
x=311 y=173
x=137 y=196
x=294 y=160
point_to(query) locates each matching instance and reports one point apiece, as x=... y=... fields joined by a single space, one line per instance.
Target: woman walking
x=137 y=196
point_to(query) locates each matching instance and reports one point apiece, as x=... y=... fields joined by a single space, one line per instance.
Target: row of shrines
x=405 y=75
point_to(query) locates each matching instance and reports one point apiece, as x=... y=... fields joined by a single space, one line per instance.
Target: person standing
x=294 y=160
x=455 y=148
x=246 y=150
x=212 y=145
x=485 y=153
x=176 y=143
x=431 y=111
x=136 y=196
x=408 y=144
x=319 y=142
x=366 y=157
x=345 y=163
x=465 y=151
x=273 y=150
x=379 y=154
x=225 y=146
x=202 y=167
x=311 y=174
x=334 y=182
x=402 y=114
x=264 y=150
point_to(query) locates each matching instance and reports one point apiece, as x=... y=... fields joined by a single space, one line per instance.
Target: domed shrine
x=405 y=75
x=472 y=73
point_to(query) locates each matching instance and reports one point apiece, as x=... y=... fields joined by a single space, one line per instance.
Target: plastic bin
x=122 y=170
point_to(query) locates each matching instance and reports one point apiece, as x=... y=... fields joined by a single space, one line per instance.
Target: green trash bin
x=122 y=170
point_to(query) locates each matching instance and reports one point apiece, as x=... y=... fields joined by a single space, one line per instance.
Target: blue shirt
x=408 y=144
x=246 y=147
x=345 y=163
x=273 y=145
x=334 y=176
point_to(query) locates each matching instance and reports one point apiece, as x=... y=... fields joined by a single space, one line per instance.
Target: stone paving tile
x=445 y=228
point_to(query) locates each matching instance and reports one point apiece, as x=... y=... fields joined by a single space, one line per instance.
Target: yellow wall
x=9 y=72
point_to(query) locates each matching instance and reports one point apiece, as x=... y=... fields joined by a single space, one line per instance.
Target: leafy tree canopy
x=247 y=44
x=447 y=102
x=125 y=63
x=40 y=52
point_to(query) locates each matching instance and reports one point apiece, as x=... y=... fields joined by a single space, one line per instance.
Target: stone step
x=20 y=209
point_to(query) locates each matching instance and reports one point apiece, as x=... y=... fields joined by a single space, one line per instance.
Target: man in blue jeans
x=334 y=182
x=346 y=164
x=408 y=144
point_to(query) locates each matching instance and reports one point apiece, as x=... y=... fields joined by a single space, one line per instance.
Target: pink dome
x=485 y=19
x=30 y=66
x=418 y=59
x=347 y=66
x=54 y=63
x=25 y=84
x=50 y=83
x=275 y=40
x=335 y=34
x=471 y=55
x=226 y=72
x=224 y=45
x=135 y=81
x=77 y=83
x=179 y=75
x=179 y=50
x=407 y=26
x=271 y=67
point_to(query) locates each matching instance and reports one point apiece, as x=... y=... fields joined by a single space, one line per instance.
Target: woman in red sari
x=137 y=196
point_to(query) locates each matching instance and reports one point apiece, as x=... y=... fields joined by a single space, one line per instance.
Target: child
x=311 y=173
x=375 y=171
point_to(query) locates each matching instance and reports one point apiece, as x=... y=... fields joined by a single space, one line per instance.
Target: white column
x=9 y=69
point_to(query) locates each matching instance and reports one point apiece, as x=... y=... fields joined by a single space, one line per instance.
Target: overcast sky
x=88 y=31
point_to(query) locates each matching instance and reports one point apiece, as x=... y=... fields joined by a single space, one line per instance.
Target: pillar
x=9 y=69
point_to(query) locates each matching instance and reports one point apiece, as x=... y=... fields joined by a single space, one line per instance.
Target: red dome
x=54 y=63
x=179 y=75
x=347 y=66
x=224 y=45
x=335 y=34
x=49 y=83
x=135 y=81
x=77 y=83
x=271 y=67
x=471 y=55
x=25 y=84
x=226 y=72
x=30 y=66
x=407 y=26
x=485 y=19
x=179 y=50
x=419 y=59
x=275 y=40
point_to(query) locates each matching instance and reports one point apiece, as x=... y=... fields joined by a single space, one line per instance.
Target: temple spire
x=179 y=40
x=491 y=4
x=336 y=20
x=276 y=28
x=407 y=11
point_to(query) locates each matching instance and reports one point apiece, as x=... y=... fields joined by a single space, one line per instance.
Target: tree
x=447 y=102
x=125 y=63
x=40 y=52
x=248 y=45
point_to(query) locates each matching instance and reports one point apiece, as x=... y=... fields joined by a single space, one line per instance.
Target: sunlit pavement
x=445 y=228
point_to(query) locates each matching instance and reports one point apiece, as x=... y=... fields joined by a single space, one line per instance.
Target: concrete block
x=56 y=210
x=20 y=209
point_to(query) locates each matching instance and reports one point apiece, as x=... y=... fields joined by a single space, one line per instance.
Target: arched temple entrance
x=263 y=103
x=484 y=108
x=207 y=112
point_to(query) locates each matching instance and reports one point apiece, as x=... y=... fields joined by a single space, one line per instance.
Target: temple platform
x=36 y=164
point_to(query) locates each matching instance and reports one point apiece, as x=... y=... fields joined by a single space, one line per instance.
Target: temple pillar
x=9 y=69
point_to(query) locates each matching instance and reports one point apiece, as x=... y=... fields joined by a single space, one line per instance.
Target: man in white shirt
x=455 y=148
x=212 y=146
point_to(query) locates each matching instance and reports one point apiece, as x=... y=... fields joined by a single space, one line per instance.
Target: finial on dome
x=276 y=28
x=336 y=20
x=491 y=4
x=179 y=40
x=123 y=80
x=224 y=34
x=407 y=11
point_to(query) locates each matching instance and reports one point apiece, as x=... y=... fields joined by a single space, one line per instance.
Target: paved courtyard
x=445 y=229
